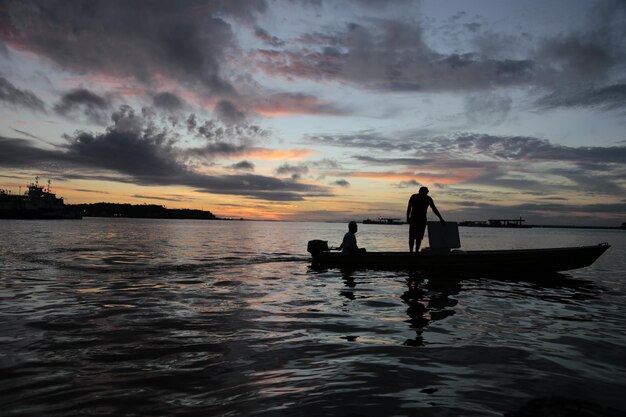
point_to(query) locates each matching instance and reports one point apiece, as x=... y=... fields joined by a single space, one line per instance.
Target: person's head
x=352 y=226
x=423 y=190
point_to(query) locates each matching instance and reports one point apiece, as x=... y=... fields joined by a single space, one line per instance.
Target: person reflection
x=348 y=280
x=428 y=299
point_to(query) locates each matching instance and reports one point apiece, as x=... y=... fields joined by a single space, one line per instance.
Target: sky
x=327 y=110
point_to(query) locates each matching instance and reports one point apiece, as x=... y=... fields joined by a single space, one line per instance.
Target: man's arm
x=432 y=206
x=408 y=210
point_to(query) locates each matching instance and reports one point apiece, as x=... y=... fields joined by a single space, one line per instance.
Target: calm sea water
x=158 y=317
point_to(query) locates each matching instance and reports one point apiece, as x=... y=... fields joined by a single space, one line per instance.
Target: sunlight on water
x=145 y=317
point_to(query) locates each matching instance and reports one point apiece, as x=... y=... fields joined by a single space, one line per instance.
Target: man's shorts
x=416 y=230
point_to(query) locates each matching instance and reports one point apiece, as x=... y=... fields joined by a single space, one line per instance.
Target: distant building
x=507 y=222
x=513 y=223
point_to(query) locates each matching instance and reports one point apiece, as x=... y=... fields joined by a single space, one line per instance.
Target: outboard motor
x=315 y=247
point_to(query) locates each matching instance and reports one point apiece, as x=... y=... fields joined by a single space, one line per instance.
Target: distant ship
x=37 y=203
x=511 y=223
x=382 y=220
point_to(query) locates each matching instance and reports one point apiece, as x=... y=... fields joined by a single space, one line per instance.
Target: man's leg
x=411 y=242
x=420 y=228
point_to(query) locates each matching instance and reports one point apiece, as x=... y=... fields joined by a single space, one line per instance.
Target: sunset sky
x=320 y=109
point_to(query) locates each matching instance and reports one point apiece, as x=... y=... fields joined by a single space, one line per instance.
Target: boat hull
x=510 y=261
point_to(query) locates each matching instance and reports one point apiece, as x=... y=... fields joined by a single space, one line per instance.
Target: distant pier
x=508 y=223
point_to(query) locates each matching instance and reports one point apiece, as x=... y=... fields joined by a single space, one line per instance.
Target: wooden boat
x=477 y=261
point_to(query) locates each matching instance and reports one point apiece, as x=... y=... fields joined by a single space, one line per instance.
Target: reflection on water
x=429 y=299
x=227 y=318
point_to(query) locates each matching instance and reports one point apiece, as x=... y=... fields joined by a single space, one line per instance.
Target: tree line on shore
x=146 y=211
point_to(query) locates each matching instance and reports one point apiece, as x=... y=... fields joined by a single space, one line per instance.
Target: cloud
x=138 y=150
x=275 y=154
x=87 y=103
x=363 y=139
x=543 y=213
x=487 y=108
x=610 y=97
x=147 y=197
x=342 y=183
x=168 y=101
x=243 y=166
x=396 y=55
x=21 y=132
x=295 y=171
x=216 y=131
x=83 y=190
x=286 y=104
x=514 y=162
x=183 y=40
x=408 y=176
x=392 y=55
x=267 y=38
x=19 y=98
x=408 y=184
x=227 y=112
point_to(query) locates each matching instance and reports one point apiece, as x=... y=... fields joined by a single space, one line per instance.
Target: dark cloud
x=23 y=153
x=267 y=38
x=342 y=183
x=21 y=132
x=487 y=108
x=365 y=139
x=228 y=113
x=543 y=213
x=585 y=67
x=520 y=148
x=19 y=98
x=608 y=98
x=295 y=171
x=513 y=162
x=243 y=166
x=82 y=190
x=168 y=101
x=408 y=184
x=533 y=149
x=393 y=161
x=214 y=131
x=139 y=151
x=147 y=197
x=393 y=55
x=183 y=40
x=89 y=104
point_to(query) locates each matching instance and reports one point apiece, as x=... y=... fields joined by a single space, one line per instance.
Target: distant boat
x=382 y=220
x=36 y=203
x=510 y=223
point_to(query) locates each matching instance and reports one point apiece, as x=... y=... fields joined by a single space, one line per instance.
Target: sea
x=143 y=317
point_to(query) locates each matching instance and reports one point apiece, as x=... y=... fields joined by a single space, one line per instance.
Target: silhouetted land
x=547 y=226
x=146 y=211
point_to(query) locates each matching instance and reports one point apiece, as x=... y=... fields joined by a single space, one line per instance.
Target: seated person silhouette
x=349 y=246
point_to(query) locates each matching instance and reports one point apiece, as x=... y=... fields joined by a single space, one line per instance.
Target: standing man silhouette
x=416 y=216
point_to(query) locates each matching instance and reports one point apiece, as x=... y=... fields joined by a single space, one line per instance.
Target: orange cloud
x=287 y=104
x=407 y=176
x=275 y=154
